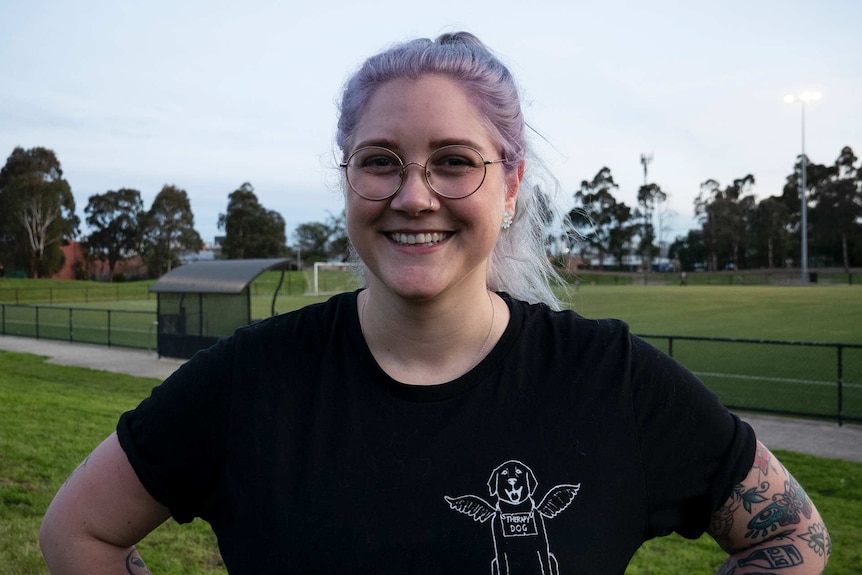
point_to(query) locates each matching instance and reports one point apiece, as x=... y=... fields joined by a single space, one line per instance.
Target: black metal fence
x=32 y=294
x=808 y=379
x=120 y=328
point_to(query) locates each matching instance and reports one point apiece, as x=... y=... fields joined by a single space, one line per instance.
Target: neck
x=430 y=341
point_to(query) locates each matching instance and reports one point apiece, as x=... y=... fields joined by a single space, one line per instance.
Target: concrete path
x=823 y=439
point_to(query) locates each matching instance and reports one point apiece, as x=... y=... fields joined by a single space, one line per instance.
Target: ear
x=531 y=480
x=492 y=481
x=513 y=184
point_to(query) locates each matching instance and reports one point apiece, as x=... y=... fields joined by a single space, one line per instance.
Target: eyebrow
x=433 y=144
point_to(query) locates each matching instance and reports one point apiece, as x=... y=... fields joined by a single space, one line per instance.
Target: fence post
x=4 y=318
x=71 y=339
x=840 y=385
x=109 y=328
x=37 y=322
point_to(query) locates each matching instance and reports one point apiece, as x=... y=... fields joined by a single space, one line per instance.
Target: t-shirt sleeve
x=175 y=438
x=693 y=449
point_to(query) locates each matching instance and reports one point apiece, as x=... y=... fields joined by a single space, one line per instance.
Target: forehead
x=426 y=112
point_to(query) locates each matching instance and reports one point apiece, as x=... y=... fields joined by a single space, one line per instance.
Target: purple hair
x=459 y=56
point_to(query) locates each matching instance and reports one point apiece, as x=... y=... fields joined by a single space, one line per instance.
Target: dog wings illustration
x=518 y=526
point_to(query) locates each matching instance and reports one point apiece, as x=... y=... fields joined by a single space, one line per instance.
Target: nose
x=415 y=195
x=512 y=481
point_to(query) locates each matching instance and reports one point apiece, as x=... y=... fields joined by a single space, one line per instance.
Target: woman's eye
x=378 y=162
x=455 y=162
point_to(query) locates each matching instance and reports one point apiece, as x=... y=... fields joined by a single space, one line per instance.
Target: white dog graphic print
x=517 y=523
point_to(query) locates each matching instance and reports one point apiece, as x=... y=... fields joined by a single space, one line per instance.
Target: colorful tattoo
x=784 y=510
x=762 y=459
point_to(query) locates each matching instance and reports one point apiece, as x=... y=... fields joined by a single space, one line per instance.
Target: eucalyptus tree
x=598 y=219
x=650 y=197
x=169 y=230
x=836 y=216
x=37 y=212
x=724 y=215
x=116 y=219
x=251 y=231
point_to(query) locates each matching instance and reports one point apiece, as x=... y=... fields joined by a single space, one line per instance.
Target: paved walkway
x=823 y=439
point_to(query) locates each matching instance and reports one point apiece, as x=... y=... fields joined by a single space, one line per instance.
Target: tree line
x=37 y=216
x=736 y=230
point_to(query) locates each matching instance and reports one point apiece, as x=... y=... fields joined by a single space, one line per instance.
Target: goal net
x=333 y=278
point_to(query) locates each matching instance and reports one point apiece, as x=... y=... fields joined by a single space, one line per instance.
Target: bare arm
x=769 y=525
x=97 y=517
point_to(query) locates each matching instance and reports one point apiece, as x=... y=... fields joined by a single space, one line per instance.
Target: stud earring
x=507 y=220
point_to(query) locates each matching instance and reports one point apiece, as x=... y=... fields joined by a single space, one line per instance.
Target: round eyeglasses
x=376 y=173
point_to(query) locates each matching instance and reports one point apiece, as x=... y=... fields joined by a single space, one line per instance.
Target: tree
x=649 y=197
x=169 y=230
x=602 y=222
x=339 y=242
x=724 y=215
x=251 y=231
x=37 y=211
x=689 y=250
x=312 y=238
x=770 y=223
x=116 y=220
x=837 y=213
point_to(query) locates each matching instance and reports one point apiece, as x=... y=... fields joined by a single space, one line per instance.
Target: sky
x=207 y=95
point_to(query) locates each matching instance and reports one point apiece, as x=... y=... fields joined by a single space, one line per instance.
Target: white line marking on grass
x=773 y=379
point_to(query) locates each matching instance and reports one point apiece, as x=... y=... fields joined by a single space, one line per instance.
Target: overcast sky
x=207 y=95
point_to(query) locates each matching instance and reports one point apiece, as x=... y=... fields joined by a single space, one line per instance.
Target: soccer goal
x=333 y=277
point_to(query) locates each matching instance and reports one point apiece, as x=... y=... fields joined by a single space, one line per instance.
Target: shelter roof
x=218 y=276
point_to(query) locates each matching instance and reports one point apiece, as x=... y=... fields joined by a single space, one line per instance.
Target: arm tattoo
x=773 y=557
x=77 y=469
x=783 y=511
x=135 y=565
x=818 y=539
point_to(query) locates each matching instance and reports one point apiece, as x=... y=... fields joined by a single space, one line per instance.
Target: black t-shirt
x=569 y=445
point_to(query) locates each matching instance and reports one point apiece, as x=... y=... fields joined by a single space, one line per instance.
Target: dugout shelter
x=200 y=302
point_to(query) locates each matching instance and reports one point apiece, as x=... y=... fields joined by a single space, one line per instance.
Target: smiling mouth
x=428 y=239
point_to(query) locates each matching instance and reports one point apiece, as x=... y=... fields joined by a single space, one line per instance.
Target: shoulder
x=537 y=320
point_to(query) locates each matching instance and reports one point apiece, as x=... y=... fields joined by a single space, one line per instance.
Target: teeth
x=421 y=239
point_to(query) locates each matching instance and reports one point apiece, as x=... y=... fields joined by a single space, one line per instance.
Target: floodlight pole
x=791 y=99
x=804 y=199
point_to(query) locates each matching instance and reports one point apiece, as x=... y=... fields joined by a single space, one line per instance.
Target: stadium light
x=801 y=99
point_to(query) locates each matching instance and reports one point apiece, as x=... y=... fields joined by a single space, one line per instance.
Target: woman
x=444 y=418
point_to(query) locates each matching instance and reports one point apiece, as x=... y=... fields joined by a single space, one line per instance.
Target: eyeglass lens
x=452 y=171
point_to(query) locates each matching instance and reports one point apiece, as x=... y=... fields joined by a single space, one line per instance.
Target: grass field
x=52 y=416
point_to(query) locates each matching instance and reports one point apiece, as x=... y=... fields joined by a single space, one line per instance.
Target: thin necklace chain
x=478 y=357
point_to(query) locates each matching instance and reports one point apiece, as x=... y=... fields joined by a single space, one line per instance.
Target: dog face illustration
x=512 y=482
